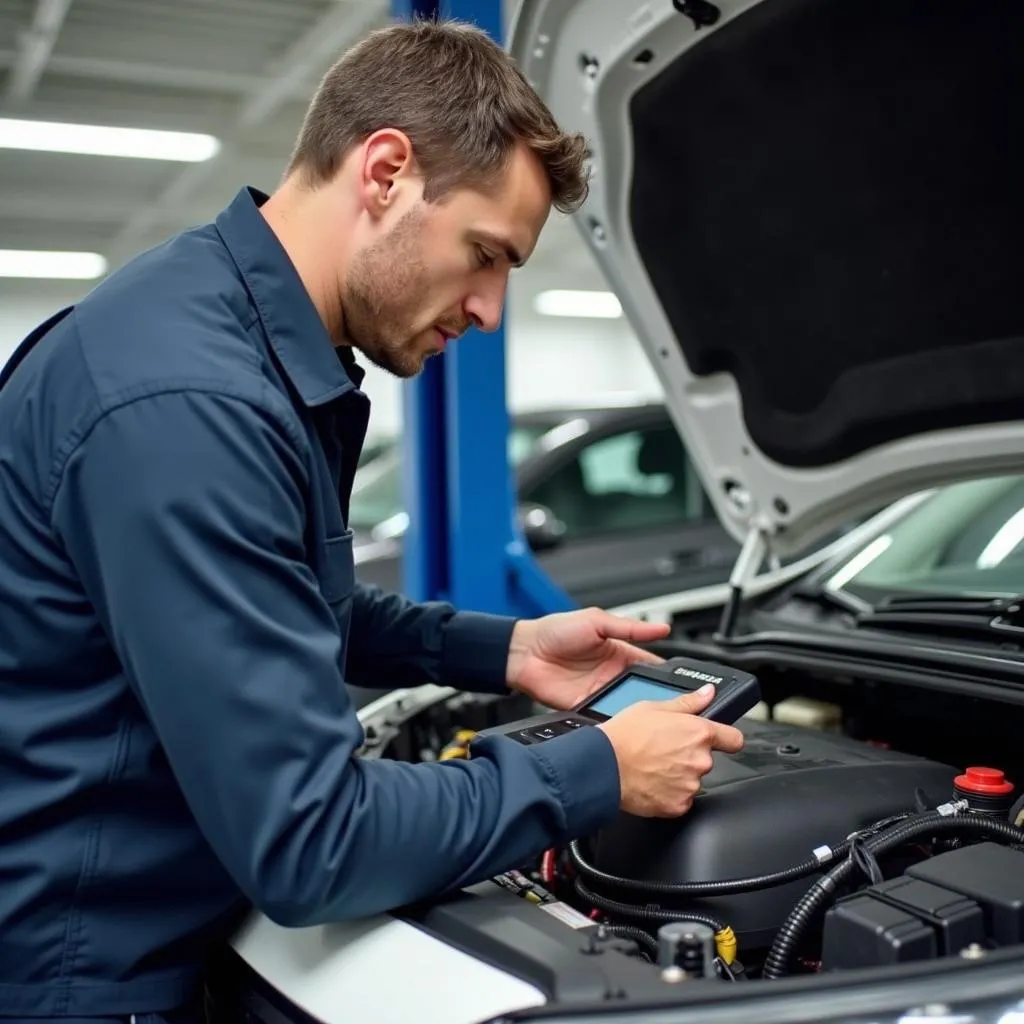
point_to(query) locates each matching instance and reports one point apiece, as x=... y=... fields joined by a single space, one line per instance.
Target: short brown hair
x=459 y=97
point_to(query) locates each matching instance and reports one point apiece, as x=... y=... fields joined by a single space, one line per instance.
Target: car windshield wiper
x=991 y=616
x=947 y=603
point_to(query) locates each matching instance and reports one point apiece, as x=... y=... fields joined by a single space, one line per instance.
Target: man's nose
x=484 y=309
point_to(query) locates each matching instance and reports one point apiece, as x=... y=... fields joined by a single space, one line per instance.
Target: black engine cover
x=766 y=809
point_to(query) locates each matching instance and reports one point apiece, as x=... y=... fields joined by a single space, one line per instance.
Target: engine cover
x=766 y=809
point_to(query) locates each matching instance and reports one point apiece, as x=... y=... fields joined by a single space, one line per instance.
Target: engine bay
x=851 y=832
x=761 y=812
x=784 y=830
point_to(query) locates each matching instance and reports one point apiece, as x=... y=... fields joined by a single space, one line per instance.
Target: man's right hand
x=664 y=750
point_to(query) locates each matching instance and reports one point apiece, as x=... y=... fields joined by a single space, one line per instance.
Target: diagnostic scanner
x=736 y=693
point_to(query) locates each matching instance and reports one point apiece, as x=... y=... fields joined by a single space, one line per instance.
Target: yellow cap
x=725 y=942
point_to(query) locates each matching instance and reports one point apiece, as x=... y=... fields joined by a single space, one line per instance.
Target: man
x=178 y=607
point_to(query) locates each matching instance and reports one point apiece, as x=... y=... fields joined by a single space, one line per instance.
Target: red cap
x=986 y=781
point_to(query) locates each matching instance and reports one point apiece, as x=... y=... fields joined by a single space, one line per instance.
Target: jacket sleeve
x=396 y=642
x=183 y=514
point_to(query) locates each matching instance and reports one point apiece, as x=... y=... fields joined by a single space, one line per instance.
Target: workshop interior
x=766 y=386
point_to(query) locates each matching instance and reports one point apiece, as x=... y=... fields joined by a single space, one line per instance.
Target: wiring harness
x=859 y=853
x=725 y=938
x=944 y=820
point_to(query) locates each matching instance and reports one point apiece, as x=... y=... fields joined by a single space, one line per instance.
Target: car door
x=637 y=523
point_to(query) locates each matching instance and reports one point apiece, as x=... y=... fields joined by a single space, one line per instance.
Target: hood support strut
x=756 y=547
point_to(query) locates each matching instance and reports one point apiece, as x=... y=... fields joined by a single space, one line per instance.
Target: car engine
x=761 y=812
x=809 y=851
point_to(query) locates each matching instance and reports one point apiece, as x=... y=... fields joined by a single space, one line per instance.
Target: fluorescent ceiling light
x=591 y=305
x=96 y=140
x=66 y=266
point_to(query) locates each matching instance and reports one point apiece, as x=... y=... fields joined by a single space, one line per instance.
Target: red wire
x=547 y=866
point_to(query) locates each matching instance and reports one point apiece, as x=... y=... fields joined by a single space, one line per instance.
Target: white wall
x=547 y=360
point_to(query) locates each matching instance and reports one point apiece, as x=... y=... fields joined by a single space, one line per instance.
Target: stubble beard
x=384 y=290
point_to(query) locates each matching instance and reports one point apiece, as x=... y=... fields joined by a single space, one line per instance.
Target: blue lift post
x=462 y=543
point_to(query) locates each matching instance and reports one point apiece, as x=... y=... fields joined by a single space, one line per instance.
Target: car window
x=377 y=491
x=521 y=441
x=635 y=479
x=966 y=538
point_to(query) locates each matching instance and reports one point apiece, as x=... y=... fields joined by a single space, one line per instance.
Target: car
x=608 y=501
x=811 y=212
x=828 y=639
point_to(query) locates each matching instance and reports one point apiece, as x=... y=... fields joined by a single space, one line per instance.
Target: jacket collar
x=318 y=371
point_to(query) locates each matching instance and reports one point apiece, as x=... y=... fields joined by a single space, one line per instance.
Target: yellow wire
x=725 y=942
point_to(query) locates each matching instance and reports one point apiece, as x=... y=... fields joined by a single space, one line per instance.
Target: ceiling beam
x=70 y=208
x=34 y=50
x=67 y=208
x=123 y=72
x=308 y=57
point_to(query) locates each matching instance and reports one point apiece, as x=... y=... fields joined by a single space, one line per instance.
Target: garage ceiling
x=241 y=70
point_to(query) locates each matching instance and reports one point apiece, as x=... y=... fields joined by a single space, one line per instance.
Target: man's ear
x=387 y=171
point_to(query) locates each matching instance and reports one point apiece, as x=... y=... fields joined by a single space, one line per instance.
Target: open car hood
x=812 y=212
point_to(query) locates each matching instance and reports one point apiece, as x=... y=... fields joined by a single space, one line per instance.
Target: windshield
x=377 y=493
x=963 y=540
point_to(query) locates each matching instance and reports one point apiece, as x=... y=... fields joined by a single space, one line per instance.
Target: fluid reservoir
x=986 y=790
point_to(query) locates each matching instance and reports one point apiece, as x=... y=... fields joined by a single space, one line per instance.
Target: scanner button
x=546 y=732
x=572 y=723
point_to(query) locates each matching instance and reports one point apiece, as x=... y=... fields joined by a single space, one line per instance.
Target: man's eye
x=484 y=258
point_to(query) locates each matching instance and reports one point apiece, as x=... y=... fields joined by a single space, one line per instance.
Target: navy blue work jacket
x=178 y=615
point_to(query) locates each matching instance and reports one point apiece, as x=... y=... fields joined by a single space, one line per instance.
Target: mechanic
x=178 y=605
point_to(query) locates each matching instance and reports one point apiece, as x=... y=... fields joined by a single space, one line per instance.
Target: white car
x=812 y=212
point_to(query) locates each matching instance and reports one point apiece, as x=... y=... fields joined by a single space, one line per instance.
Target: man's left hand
x=559 y=660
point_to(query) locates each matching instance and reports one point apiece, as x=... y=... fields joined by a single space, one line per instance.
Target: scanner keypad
x=549 y=730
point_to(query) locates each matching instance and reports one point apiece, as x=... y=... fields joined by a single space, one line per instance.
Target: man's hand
x=561 y=659
x=664 y=750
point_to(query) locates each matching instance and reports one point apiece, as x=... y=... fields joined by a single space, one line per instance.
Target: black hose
x=788 y=938
x=704 y=889
x=646 y=913
x=728 y=886
x=637 y=935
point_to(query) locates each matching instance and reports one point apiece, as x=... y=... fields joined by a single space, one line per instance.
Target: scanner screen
x=631 y=690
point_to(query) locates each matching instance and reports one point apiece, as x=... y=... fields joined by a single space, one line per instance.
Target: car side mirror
x=540 y=526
